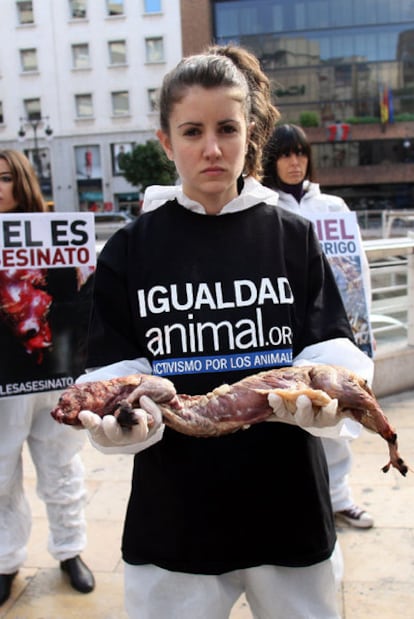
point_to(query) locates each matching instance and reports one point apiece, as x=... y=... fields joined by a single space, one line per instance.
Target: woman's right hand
x=108 y=435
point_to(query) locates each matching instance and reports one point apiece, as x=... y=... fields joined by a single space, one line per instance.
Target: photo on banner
x=341 y=242
x=47 y=262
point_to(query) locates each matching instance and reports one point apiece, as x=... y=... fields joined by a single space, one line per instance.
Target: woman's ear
x=166 y=144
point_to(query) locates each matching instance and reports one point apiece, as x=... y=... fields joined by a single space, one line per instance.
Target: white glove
x=318 y=422
x=107 y=435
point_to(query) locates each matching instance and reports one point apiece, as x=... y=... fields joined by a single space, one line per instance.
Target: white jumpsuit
x=54 y=449
x=338 y=452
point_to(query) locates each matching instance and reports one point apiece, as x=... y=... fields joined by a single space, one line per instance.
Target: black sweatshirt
x=210 y=300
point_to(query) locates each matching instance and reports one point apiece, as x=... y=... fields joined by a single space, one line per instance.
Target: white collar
x=252 y=193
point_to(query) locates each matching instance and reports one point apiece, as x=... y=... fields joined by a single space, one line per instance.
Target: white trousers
x=272 y=592
x=339 y=458
x=60 y=483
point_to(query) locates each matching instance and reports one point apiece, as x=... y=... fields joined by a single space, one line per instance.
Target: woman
x=210 y=276
x=53 y=448
x=289 y=170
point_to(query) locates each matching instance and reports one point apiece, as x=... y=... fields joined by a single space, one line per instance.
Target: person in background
x=289 y=170
x=26 y=418
x=212 y=275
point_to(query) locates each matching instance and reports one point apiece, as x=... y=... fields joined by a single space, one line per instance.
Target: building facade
x=344 y=70
x=79 y=80
x=78 y=85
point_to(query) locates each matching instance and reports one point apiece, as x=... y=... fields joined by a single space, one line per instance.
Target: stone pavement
x=379 y=563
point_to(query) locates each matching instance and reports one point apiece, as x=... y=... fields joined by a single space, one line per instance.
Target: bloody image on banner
x=47 y=261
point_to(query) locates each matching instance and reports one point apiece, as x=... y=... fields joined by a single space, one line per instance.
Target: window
x=154 y=49
x=80 y=56
x=117 y=52
x=115 y=7
x=152 y=6
x=88 y=165
x=1 y=113
x=118 y=151
x=84 y=107
x=153 y=94
x=32 y=109
x=77 y=8
x=120 y=103
x=28 y=59
x=25 y=12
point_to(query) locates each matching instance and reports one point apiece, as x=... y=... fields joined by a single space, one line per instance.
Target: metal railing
x=391 y=262
x=375 y=223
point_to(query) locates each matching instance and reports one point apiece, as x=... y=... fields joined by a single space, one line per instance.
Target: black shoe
x=80 y=576
x=5 y=586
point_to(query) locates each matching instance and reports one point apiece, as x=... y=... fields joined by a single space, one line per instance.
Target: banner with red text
x=47 y=261
x=339 y=236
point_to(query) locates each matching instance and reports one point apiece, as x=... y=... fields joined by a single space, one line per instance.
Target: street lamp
x=35 y=124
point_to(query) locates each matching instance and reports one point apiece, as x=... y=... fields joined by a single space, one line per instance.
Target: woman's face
x=7 y=201
x=291 y=168
x=208 y=142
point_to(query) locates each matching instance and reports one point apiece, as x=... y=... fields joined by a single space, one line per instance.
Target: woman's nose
x=211 y=147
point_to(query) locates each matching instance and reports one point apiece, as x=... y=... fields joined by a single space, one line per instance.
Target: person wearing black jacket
x=212 y=283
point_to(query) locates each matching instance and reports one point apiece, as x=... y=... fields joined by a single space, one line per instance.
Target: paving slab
x=379 y=564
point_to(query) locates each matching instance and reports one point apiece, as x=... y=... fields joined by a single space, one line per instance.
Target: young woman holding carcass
x=212 y=283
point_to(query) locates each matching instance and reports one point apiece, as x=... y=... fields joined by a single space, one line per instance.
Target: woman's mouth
x=213 y=171
x=296 y=173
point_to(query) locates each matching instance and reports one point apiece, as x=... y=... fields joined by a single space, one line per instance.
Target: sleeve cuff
x=141 y=365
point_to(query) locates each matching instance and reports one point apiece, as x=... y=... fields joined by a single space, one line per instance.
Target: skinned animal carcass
x=232 y=407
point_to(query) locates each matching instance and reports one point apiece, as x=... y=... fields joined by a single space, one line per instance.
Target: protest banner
x=341 y=242
x=47 y=261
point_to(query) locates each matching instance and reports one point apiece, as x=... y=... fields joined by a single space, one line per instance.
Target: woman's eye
x=6 y=178
x=191 y=132
x=228 y=129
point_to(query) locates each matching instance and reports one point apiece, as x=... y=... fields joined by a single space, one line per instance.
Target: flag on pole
x=390 y=106
x=384 y=105
x=339 y=132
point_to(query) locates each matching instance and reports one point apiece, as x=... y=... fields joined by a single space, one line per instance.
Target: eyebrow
x=194 y=123
x=189 y=122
